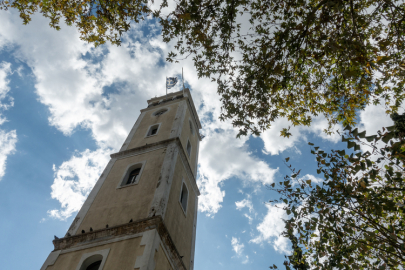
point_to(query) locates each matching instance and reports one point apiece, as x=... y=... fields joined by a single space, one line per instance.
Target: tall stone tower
x=142 y=212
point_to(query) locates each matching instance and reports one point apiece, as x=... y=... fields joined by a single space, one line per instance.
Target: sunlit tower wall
x=142 y=212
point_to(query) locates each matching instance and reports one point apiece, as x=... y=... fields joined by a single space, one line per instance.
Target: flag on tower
x=170 y=82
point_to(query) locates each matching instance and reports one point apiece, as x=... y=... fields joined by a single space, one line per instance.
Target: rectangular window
x=153 y=130
x=184 y=197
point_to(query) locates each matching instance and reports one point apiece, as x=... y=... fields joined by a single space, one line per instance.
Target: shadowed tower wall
x=142 y=212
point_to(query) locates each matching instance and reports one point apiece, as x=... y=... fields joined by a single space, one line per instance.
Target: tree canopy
x=294 y=58
x=354 y=219
x=287 y=58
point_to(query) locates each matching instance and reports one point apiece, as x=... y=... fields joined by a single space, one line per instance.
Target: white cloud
x=8 y=139
x=314 y=179
x=271 y=227
x=250 y=218
x=274 y=144
x=373 y=118
x=7 y=147
x=74 y=180
x=244 y=203
x=246 y=260
x=236 y=246
x=5 y=101
x=248 y=204
x=222 y=157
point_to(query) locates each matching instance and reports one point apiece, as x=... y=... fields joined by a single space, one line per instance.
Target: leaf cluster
x=293 y=59
x=354 y=219
x=98 y=21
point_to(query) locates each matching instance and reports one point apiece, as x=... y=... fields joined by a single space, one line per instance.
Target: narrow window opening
x=133 y=176
x=153 y=130
x=189 y=148
x=184 y=197
x=191 y=127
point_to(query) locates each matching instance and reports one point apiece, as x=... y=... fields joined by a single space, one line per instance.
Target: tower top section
x=183 y=94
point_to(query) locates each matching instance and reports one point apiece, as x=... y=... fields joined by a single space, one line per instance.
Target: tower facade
x=142 y=212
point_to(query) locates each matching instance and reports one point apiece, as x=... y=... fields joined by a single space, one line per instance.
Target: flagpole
x=166 y=85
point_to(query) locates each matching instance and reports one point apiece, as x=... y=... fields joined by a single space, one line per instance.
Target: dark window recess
x=188 y=148
x=160 y=112
x=94 y=266
x=184 y=197
x=153 y=131
x=133 y=175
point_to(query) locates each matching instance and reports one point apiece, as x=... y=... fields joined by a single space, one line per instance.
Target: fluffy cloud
x=248 y=204
x=7 y=139
x=373 y=118
x=74 y=180
x=236 y=246
x=244 y=203
x=274 y=144
x=271 y=227
x=235 y=161
x=7 y=147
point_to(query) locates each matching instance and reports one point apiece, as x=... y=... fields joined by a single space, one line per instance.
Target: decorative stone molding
x=143 y=148
x=135 y=227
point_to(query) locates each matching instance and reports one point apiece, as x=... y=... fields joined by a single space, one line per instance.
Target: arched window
x=92 y=263
x=133 y=176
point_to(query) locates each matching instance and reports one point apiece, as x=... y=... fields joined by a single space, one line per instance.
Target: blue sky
x=65 y=106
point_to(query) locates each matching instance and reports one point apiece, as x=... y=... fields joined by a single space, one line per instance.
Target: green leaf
x=388 y=137
x=351 y=144
x=370 y=138
x=362 y=134
x=342 y=153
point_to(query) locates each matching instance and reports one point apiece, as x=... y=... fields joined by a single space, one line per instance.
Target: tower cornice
x=169 y=98
x=136 y=227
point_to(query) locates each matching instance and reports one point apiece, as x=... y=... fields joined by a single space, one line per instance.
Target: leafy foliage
x=355 y=218
x=97 y=21
x=294 y=59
